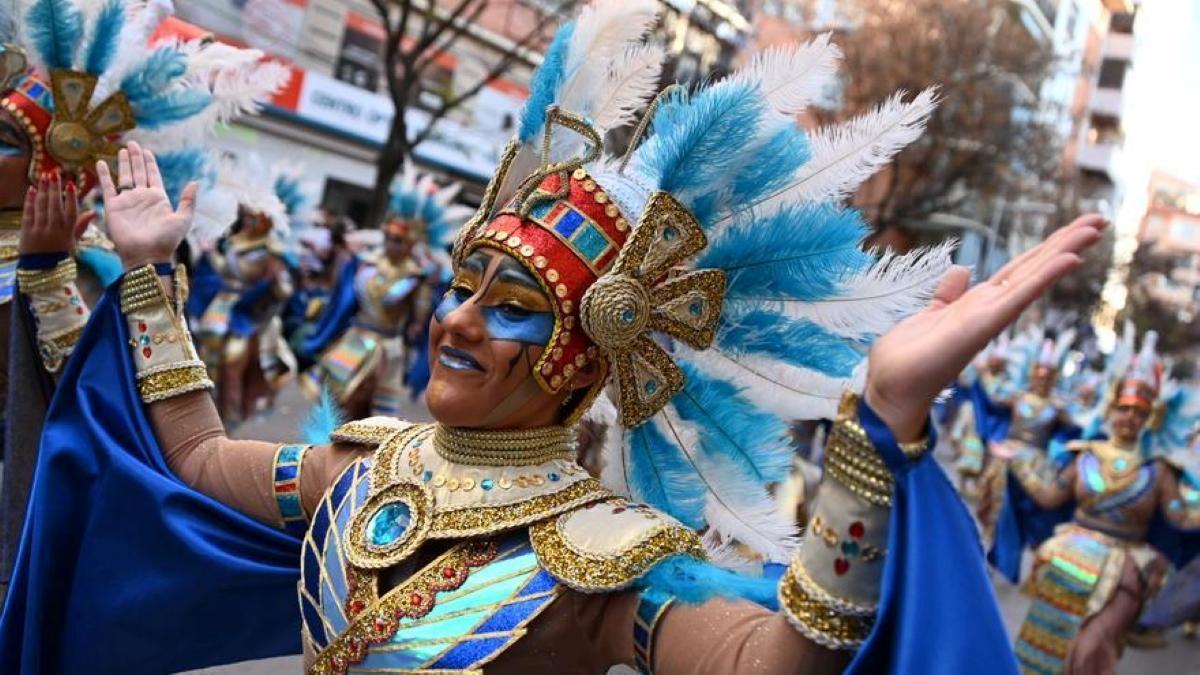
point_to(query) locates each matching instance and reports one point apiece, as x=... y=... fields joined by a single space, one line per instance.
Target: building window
x=1122 y=23
x=1112 y=73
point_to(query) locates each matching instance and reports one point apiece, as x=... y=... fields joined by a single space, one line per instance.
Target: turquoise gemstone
x=695 y=308
x=388 y=524
x=651 y=386
x=1120 y=464
x=486 y=484
x=427 y=476
x=553 y=477
x=145 y=340
x=627 y=315
x=849 y=548
x=669 y=234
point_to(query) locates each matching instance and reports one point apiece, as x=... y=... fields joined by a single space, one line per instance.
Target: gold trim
x=518 y=447
x=819 y=622
x=162 y=384
x=361 y=553
x=592 y=573
x=364 y=433
x=474 y=521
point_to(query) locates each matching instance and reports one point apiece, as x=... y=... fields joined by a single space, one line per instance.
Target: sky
x=1161 y=116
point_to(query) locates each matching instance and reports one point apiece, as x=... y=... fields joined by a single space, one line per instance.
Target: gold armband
x=58 y=310
x=165 y=359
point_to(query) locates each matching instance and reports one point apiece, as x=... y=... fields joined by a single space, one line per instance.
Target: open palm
x=141 y=222
x=911 y=363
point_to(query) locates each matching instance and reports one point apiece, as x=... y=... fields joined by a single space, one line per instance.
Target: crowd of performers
x=620 y=354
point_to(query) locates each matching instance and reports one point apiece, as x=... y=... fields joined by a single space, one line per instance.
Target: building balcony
x=1118 y=46
x=1101 y=158
x=1107 y=101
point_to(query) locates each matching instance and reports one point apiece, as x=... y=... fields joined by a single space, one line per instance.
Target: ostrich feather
x=695 y=581
x=216 y=211
x=141 y=20
x=631 y=82
x=604 y=31
x=543 y=89
x=801 y=252
x=163 y=67
x=731 y=426
x=323 y=418
x=55 y=28
x=791 y=77
x=694 y=143
x=8 y=24
x=848 y=154
x=788 y=391
x=170 y=107
x=747 y=330
x=180 y=167
x=106 y=37
x=866 y=305
x=660 y=472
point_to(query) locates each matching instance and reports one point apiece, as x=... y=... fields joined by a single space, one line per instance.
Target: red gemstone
x=142 y=326
x=415 y=598
x=79 y=310
x=857 y=529
x=841 y=566
x=619 y=510
x=67 y=290
x=448 y=572
x=380 y=625
x=146 y=352
x=357 y=606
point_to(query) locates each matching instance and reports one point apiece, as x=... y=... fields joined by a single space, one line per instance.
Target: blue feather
x=180 y=167
x=543 y=89
x=55 y=27
x=106 y=37
x=324 y=417
x=801 y=252
x=799 y=342
x=695 y=581
x=106 y=265
x=732 y=427
x=154 y=75
x=8 y=27
x=290 y=193
x=775 y=161
x=404 y=204
x=663 y=476
x=697 y=141
x=171 y=107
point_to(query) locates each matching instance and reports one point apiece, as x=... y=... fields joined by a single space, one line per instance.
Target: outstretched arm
x=257 y=478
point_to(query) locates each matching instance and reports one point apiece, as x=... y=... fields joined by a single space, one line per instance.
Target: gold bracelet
x=851 y=460
x=141 y=289
x=53 y=279
x=820 y=622
x=173 y=379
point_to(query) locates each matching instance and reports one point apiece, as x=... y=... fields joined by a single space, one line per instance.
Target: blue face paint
x=9 y=150
x=504 y=322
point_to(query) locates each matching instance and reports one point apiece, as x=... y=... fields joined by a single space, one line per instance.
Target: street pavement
x=282 y=424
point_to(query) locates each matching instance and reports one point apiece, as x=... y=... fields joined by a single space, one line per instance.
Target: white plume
x=867 y=305
x=791 y=77
x=632 y=81
x=847 y=154
x=141 y=20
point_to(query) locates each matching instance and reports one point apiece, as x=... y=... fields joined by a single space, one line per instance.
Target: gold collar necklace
x=10 y=220
x=519 y=447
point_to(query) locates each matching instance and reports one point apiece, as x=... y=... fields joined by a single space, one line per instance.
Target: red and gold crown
x=67 y=135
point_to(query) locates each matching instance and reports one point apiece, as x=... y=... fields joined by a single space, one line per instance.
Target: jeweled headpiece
x=85 y=77
x=420 y=210
x=1140 y=384
x=708 y=270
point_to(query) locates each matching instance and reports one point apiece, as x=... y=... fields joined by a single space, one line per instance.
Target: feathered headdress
x=81 y=78
x=709 y=273
x=419 y=208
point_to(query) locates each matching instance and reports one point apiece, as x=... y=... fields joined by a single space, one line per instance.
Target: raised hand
x=50 y=221
x=141 y=222
x=911 y=363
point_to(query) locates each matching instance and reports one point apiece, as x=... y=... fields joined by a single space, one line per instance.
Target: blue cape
x=206 y=283
x=203 y=285
x=937 y=611
x=338 y=313
x=122 y=568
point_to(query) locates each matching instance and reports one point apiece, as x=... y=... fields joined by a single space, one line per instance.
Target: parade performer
x=242 y=287
x=704 y=283
x=382 y=302
x=984 y=381
x=1093 y=578
x=75 y=79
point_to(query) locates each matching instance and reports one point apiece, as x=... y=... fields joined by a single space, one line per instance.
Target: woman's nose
x=465 y=322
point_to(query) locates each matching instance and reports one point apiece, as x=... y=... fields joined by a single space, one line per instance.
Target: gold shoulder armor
x=608 y=545
x=370 y=431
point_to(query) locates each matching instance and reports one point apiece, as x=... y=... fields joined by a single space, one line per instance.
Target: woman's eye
x=462 y=293
x=514 y=311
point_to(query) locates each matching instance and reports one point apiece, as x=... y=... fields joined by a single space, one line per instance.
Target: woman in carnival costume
x=242 y=286
x=983 y=382
x=382 y=302
x=1095 y=576
x=699 y=287
x=1035 y=418
x=75 y=80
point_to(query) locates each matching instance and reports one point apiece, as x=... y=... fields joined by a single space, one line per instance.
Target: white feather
x=631 y=82
x=216 y=211
x=140 y=23
x=603 y=30
x=603 y=413
x=737 y=510
x=730 y=555
x=869 y=304
x=793 y=76
x=789 y=392
x=844 y=156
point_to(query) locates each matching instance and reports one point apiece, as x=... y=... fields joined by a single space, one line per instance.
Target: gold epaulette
x=369 y=431
x=608 y=545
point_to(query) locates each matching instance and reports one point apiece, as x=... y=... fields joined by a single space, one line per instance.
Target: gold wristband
x=173 y=379
x=49 y=280
x=141 y=289
x=852 y=461
x=820 y=621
